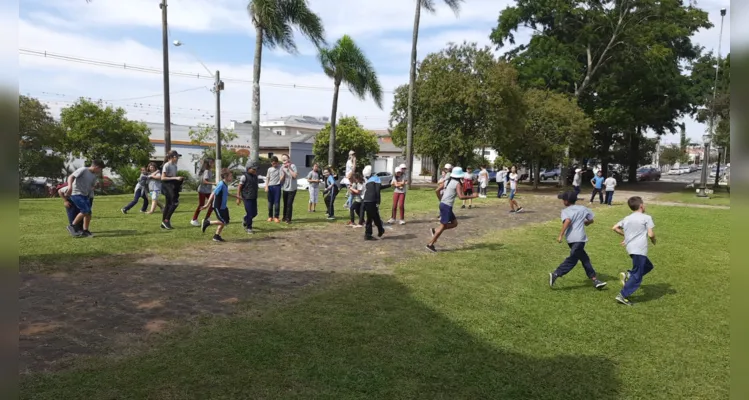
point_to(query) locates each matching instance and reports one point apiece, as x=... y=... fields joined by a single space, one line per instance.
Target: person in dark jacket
x=371 y=203
x=247 y=193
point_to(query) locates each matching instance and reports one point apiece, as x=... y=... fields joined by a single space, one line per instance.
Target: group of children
x=636 y=228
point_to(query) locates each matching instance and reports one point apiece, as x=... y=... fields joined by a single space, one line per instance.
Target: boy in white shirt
x=610 y=184
x=636 y=229
x=514 y=207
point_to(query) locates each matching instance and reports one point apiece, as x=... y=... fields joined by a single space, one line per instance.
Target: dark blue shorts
x=223 y=215
x=82 y=203
x=512 y=194
x=446 y=214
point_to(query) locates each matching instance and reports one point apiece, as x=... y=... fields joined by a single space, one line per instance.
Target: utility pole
x=165 y=51
x=703 y=178
x=218 y=86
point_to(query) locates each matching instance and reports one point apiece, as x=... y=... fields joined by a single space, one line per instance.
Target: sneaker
x=331 y=218
x=205 y=225
x=124 y=211
x=73 y=231
x=164 y=225
x=390 y=221
x=401 y=222
x=512 y=211
x=249 y=231
x=598 y=284
x=217 y=238
x=623 y=277
x=623 y=300
x=552 y=278
x=144 y=211
x=431 y=248
x=463 y=206
x=369 y=238
x=432 y=231
x=470 y=206
x=195 y=222
x=519 y=209
x=87 y=234
x=380 y=233
x=357 y=226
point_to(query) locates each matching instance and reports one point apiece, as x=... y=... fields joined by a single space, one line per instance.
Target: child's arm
x=463 y=196
x=618 y=229
x=588 y=222
x=239 y=191
x=565 y=226
x=651 y=235
x=210 y=201
x=437 y=191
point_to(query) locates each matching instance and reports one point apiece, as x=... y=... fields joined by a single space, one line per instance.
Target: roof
x=302 y=121
x=386 y=142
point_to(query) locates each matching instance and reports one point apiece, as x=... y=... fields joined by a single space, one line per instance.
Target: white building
x=295 y=125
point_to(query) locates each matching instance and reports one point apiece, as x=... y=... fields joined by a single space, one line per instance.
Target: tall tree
x=206 y=133
x=94 y=131
x=702 y=84
x=427 y=5
x=274 y=21
x=40 y=141
x=346 y=63
x=351 y=136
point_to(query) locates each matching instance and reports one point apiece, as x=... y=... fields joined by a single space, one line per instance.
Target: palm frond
x=346 y=62
x=429 y=5
x=298 y=13
x=277 y=19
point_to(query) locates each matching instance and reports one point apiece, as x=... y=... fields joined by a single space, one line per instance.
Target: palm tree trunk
x=255 y=136
x=331 y=145
x=411 y=83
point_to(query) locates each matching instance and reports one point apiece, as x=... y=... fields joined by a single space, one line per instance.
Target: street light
x=218 y=86
x=703 y=177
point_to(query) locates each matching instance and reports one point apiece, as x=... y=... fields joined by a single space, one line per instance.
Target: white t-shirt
x=610 y=183
x=513 y=180
x=501 y=176
x=483 y=178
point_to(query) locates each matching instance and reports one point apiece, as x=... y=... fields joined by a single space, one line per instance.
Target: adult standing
x=483 y=181
x=289 y=187
x=205 y=188
x=501 y=181
x=313 y=178
x=273 y=188
x=513 y=177
x=171 y=185
x=399 y=194
x=247 y=193
x=577 y=180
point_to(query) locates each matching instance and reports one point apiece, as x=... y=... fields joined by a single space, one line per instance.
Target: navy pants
x=250 y=208
x=641 y=265
x=609 y=196
x=140 y=193
x=330 y=201
x=577 y=189
x=373 y=217
x=577 y=253
x=501 y=189
x=274 y=201
x=600 y=195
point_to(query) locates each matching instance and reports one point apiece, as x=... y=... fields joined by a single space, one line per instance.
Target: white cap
x=367 y=172
x=449 y=167
x=351 y=152
x=578 y=170
x=402 y=167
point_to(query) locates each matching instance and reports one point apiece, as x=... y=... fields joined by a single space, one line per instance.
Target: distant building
x=295 y=125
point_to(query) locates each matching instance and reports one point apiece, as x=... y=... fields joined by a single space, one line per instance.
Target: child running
x=154 y=187
x=468 y=187
x=81 y=183
x=207 y=180
x=356 y=187
x=636 y=229
x=610 y=184
x=447 y=191
x=513 y=179
x=218 y=199
x=247 y=193
x=140 y=192
x=371 y=203
x=574 y=220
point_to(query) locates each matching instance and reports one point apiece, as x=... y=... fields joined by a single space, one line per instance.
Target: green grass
x=44 y=240
x=720 y=198
x=479 y=323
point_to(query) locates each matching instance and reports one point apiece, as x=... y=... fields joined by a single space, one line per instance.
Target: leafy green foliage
x=190 y=183
x=40 y=141
x=129 y=176
x=93 y=131
x=350 y=135
x=703 y=84
x=672 y=154
x=205 y=133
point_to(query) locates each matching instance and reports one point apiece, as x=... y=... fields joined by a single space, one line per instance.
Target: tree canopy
x=350 y=135
x=40 y=141
x=206 y=133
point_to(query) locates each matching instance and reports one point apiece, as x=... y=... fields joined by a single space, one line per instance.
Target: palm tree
x=427 y=5
x=274 y=21
x=346 y=63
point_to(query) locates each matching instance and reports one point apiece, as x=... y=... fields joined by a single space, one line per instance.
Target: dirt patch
x=111 y=310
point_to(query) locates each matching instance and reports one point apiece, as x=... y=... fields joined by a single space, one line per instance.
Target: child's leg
x=86 y=221
x=600 y=196
x=220 y=227
x=377 y=220
x=635 y=274
x=571 y=260
x=368 y=225
x=402 y=206
x=395 y=206
x=442 y=228
x=352 y=211
x=585 y=260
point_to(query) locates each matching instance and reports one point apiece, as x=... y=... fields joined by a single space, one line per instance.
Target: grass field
x=44 y=240
x=479 y=323
x=720 y=198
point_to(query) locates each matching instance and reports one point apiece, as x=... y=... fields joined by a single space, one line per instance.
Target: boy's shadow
x=116 y=233
x=588 y=284
x=654 y=292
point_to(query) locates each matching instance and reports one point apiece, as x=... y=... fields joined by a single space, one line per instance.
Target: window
x=270 y=155
x=279 y=132
x=487 y=152
x=309 y=160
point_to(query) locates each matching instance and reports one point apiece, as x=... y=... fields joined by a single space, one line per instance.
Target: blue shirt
x=331 y=180
x=221 y=196
x=598 y=181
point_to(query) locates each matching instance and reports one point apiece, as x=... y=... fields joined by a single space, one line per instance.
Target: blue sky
x=220 y=34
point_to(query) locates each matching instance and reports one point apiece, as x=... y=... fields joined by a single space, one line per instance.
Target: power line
x=160 y=94
x=151 y=70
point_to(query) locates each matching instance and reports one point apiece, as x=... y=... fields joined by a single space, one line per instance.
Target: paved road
x=683 y=178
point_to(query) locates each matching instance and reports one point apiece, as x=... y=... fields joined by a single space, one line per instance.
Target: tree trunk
x=255 y=135
x=331 y=146
x=536 y=171
x=411 y=83
x=435 y=170
x=605 y=154
x=634 y=150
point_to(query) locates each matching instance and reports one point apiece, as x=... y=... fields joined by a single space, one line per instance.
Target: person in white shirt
x=346 y=181
x=513 y=178
x=610 y=184
x=483 y=181
x=501 y=180
x=577 y=180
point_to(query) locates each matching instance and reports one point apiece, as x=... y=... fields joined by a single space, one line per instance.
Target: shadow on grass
x=116 y=233
x=367 y=338
x=585 y=283
x=653 y=292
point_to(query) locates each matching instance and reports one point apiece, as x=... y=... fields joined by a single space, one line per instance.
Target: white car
x=685 y=170
x=302 y=184
x=674 y=171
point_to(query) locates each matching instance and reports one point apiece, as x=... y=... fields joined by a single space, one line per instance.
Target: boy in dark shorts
x=81 y=183
x=636 y=229
x=574 y=220
x=219 y=199
x=247 y=193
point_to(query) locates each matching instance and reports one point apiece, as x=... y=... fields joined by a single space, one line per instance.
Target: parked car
x=685 y=169
x=648 y=174
x=674 y=171
x=386 y=178
x=492 y=175
x=302 y=184
x=553 y=174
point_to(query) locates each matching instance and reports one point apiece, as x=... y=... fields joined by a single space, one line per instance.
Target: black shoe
x=124 y=211
x=244 y=225
x=73 y=231
x=431 y=248
x=519 y=209
x=380 y=233
x=598 y=284
x=463 y=206
x=87 y=234
x=552 y=278
x=205 y=225
x=217 y=238
x=166 y=225
x=369 y=238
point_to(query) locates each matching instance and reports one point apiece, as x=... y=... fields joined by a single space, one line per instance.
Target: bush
x=128 y=178
x=190 y=183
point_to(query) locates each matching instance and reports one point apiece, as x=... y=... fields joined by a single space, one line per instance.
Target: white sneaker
x=390 y=221
x=195 y=222
x=402 y=222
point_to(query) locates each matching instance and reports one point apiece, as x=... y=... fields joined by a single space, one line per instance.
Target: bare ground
x=117 y=308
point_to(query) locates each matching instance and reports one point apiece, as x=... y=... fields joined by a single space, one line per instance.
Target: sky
x=220 y=35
